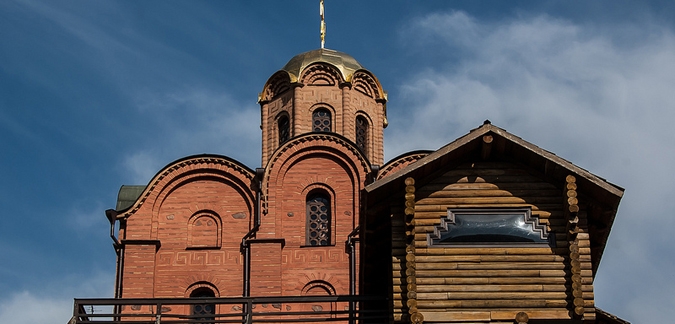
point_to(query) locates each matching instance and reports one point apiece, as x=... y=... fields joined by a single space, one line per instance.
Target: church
x=487 y=229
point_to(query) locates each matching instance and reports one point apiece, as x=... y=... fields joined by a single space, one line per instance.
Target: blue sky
x=97 y=94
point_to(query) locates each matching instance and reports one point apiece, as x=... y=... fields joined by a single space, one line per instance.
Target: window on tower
x=284 y=129
x=362 y=134
x=317 y=231
x=321 y=120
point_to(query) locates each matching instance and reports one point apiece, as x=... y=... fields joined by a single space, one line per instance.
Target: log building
x=488 y=229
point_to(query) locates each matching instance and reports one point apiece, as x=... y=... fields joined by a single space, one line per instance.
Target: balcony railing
x=302 y=309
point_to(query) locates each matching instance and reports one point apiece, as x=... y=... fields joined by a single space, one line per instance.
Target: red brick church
x=487 y=229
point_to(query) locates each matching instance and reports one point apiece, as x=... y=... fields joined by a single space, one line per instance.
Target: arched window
x=321 y=120
x=284 y=129
x=362 y=134
x=318 y=219
x=204 y=230
x=320 y=288
x=207 y=310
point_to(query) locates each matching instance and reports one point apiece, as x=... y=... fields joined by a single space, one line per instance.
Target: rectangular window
x=489 y=226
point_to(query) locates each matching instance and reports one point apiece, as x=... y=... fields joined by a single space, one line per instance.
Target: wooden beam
x=414 y=315
x=487 y=146
x=575 y=272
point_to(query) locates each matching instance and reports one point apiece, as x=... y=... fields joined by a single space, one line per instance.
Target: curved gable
x=278 y=83
x=331 y=146
x=219 y=170
x=400 y=162
x=321 y=74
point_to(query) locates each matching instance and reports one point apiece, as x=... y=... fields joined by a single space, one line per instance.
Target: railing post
x=249 y=311
x=352 y=312
x=158 y=317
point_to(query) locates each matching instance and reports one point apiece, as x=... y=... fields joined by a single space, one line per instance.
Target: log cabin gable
x=491 y=144
x=485 y=171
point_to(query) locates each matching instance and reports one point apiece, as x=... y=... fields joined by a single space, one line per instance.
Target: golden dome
x=343 y=61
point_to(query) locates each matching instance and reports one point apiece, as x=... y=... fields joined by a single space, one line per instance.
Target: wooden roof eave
x=413 y=169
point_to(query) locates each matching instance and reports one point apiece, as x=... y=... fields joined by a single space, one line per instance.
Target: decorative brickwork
x=322 y=84
x=316 y=220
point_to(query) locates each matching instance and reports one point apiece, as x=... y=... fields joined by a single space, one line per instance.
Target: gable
x=489 y=143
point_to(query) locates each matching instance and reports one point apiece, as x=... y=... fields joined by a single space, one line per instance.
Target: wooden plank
x=443 y=316
x=507 y=266
x=498 y=303
x=498 y=179
x=489 y=273
x=490 y=258
x=487 y=201
x=467 y=193
x=465 y=185
x=488 y=266
x=490 y=288
x=509 y=315
x=490 y=281
x=544 y=250
x=432 y=208
x=483 y=295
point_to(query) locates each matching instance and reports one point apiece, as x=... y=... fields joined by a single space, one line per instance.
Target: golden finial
x=323 y=25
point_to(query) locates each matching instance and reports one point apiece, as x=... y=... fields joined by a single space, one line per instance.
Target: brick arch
x=321 y=285
x=401 y=162
x=322 y=74
x=180 y=172
x=205 y=229
x=322 y=105
x=278 y=83
x=337 y=147
x=208 y=175
x=366 y=83
x=201 y=284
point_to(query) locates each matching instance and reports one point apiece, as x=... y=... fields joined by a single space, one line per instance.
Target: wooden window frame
x=530 y=221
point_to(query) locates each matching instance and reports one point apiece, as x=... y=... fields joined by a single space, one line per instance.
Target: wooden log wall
x=491 y=283
x=410 y=272
x=580 y=283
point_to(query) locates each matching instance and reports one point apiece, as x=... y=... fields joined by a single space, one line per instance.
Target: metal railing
x=245 y=310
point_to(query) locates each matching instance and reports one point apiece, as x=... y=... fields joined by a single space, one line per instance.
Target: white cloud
x=193 y=121
x=604 y=105
x=18 y=309
x=54 y=303
x=141 y=166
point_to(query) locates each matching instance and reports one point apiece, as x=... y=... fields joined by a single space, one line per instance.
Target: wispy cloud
x=605 y=105
x=140 y=166
x=193 y=121
x=53 y=303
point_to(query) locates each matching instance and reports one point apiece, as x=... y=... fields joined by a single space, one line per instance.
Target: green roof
x=128 y=196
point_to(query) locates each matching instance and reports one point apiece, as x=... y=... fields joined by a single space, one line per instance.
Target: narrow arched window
x=321 y=120
x=318 y=219
x=204 y=230
x=205 y=311
x=362 y=134
x=284 y=129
